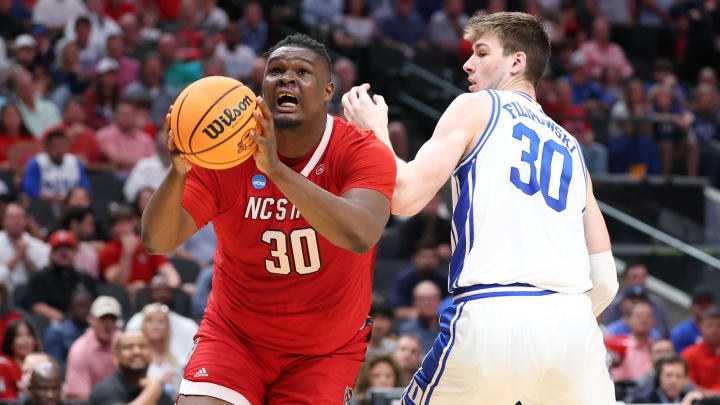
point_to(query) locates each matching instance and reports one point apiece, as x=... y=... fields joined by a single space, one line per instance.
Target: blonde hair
x=517 y=32
x=152 y=309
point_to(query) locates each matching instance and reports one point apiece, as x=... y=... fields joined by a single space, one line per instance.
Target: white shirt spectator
x=101 y=27
x=320 y=12
x=45 y=178
x=239 y=61
x=55 y=13
x=216 y=21
x=147 y=172
x=37 y=251
x=361 y=29
x=182 y=331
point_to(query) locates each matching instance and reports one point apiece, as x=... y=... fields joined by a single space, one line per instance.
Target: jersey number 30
x=521 y=131
x=303 y=247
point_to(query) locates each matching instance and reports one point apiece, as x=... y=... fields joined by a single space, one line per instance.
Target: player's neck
x=298 y=142
x=516 y=84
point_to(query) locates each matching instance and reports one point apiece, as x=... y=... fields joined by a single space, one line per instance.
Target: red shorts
x=227 y=367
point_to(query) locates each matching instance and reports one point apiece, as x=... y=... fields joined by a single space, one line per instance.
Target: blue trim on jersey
x=494 y=115
x=480 y=287
x=504 y=294
x=525 y=95
x=509 y=292
x=463 y=208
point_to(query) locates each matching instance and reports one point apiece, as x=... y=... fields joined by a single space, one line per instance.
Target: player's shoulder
x=474 y=107
x=349 y=137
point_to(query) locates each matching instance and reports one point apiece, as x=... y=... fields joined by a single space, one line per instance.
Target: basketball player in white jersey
x=531 y=265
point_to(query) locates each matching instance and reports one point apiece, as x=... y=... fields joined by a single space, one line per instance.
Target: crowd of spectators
x=86 y=315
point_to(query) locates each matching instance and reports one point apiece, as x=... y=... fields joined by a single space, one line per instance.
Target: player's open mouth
x=286 y=102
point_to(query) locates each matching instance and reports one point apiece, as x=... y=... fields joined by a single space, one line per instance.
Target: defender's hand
x=365 y=112
x=178 y=160
x=266 y=157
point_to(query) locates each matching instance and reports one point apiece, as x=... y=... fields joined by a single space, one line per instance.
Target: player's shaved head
x=305 y=42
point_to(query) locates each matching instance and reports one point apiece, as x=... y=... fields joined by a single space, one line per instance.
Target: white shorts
x=503 y=344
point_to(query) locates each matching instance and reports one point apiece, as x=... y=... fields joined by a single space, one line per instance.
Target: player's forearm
x=165 y=224
x=338 y=219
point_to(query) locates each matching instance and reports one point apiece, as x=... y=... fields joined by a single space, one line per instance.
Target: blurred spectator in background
x=31 y=360
x=45 y=387
x=379 y=371
x=37 y=113
x=354 y=27
x=177 y=72
x=7 y=314
x=636 y=361
x=254 y=28
x=151 y=84
x=51 y=174
x=382 y=315
x=200 y=248
x=17 y=144
x=164 y=365
x=149 y=171
x=630 y=297
x=671 y=384
x=704 y=358
x=430 y=227
x=344 y=77
x=49 y=290
x=407 y=355
x=658 y=349
x=123 y=260
x=586 y=91
x=237 y=56
x=53 y=14
x=122 y=142
x=425 y=266
x=636 y=274
x=24 y=51
x=134 y=45
x=706 y=127
x=60 y=336
x=19 y=341
x=101 y=26
x=404 y=30
x=616 y=12
x=20 y=253
x=128 y=68
x=91 y=357
x=663 y=74
x=69 y=76
x=687 y=332
x=149 y=31
x=89 y=52
x=81 y=223
x=703 y=42
x=183 y=329
x=603 y=54
x=445 y=29
x=83 y=142
x=427 y=297
x=213 y=19
x=103 y=96
x=671 y=127
x=130 y=382
x=320 y=13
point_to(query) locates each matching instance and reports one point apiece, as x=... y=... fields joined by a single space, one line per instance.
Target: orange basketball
x=211 y=120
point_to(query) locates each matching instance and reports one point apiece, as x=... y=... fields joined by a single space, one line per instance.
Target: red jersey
x=703 y=365
x=10 y=375
x=144 y=266
x=277 y=282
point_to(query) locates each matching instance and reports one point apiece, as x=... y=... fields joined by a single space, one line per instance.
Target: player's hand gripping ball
x=211 y=120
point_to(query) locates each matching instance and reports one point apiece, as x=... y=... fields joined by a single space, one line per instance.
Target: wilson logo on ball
x=217 y=127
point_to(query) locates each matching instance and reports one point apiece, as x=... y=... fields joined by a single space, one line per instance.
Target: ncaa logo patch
x=258 y=182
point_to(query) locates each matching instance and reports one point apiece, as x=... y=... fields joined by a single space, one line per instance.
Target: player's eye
x=274 y=71
x=303 y=72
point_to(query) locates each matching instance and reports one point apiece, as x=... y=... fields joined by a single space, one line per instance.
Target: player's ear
x=519 y=63
x=329 y=90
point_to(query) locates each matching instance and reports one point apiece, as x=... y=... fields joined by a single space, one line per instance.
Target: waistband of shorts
x=480 y=291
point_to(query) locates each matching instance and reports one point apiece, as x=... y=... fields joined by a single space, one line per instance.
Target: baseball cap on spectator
x=62 y=238
x=105 y=305
x=703 y=293
x=106 y=65
x=635 y=291
x=24 y=40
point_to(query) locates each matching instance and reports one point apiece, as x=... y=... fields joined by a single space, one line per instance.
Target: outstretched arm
x=354 y=220
x=454 y=136
x=165 y=223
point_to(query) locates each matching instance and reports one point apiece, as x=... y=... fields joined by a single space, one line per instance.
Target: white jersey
x=519 y=199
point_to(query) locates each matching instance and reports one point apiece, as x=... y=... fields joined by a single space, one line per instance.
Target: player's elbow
x=154 y=245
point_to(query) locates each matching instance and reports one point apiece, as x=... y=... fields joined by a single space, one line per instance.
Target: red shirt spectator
x=10 y=375
x=116 y=8
x=19 y=341
x=143 y=265
x=704 y=358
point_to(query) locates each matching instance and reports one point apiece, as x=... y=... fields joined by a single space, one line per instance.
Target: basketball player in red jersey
x=296 y=226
